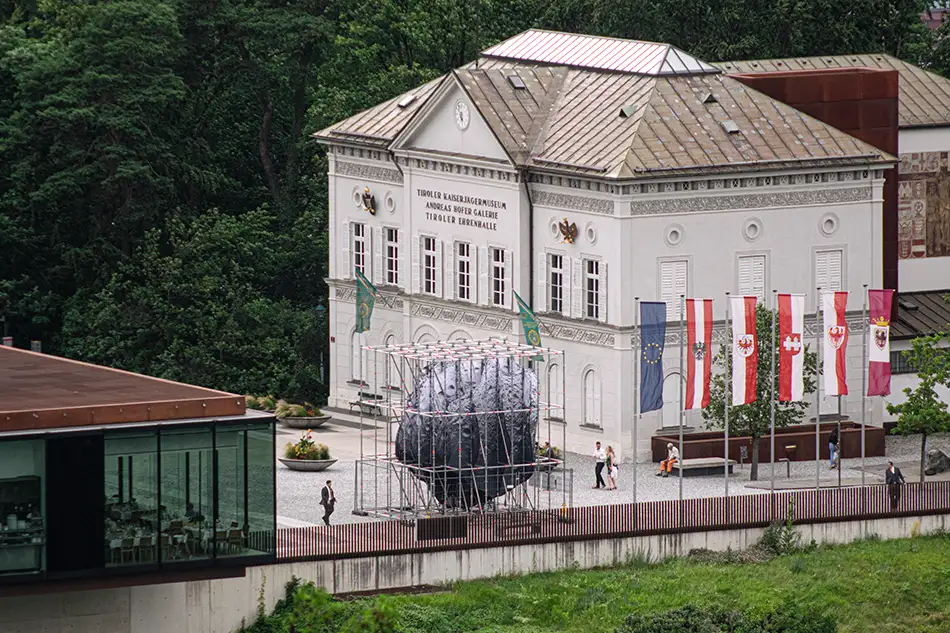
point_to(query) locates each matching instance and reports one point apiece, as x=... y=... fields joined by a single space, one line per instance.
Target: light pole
x=322 y=313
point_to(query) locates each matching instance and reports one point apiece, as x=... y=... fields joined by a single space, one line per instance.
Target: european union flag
x=652 y=339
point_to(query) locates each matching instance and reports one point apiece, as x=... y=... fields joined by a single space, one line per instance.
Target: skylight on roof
x=407 y=101
x=710 y=98
x=516 y=82
x=627 y=111
x=730 y=127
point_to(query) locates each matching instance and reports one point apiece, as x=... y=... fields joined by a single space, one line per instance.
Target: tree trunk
x=754 y=472
x=923 y=455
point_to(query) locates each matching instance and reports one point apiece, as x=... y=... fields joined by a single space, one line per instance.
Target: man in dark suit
x=894 y=479
x=328 y=501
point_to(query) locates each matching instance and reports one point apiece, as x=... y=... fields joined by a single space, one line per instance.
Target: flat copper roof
x=39 y=391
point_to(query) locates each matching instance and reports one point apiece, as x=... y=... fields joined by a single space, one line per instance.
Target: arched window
x=356 y=369
x=555 y=392
x=392 y=365
x=591 y=398
x=425 y=337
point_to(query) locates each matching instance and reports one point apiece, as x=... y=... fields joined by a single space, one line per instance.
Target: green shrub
x=788 y=618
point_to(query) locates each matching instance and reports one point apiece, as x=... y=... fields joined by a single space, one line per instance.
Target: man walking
x=599 y=458
x=328 y=501
x=894 y=479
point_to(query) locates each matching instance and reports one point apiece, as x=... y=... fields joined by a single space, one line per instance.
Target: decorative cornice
x=462 y=317
x=342 y=293
x=578 y=203
x=750 y=201
x=369 y=172
x=579 y=335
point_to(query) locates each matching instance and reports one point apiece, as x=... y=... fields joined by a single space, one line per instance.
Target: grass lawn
x=870 y=587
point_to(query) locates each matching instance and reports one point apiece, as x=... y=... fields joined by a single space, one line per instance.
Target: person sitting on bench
x=672 y=457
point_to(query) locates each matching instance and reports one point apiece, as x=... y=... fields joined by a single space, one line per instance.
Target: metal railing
x=608 y=521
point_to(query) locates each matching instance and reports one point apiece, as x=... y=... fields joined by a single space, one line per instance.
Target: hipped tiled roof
x=921 y=314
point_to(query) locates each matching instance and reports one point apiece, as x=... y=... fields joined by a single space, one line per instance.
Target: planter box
x=307 y=465
x=304 y=423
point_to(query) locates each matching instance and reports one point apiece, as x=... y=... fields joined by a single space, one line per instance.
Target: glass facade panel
x=262 y=520
x=131 y=498
x=22 y=506
x=187 y=494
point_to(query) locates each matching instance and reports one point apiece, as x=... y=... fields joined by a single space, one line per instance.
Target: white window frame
x=391 y=255
x=766 y=275
x=673 y=303
x=558 y=304
x=361 y=255
x=592 y=390
x=356 y=353
x=464 y=258
x=556 y=391
x=816 y=253
x=499 y=284
x=430 y=265
x=592 y=288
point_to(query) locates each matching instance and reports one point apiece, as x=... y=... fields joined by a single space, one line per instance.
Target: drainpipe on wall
x=531 y=281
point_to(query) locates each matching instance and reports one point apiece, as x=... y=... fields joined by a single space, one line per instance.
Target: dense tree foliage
x=142 y=140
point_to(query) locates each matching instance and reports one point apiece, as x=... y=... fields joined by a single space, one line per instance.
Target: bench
x=703 y=466
x=368 y=403
x=789 y=453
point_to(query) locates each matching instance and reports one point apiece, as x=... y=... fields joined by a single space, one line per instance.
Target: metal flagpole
x=357 y=488
x=682 y=396
x=864 y=372
x=818 y=340
x=727 y=393
x=772 y=398
x=636 y=391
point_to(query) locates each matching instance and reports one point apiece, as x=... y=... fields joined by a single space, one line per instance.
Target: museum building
x=584 y=172
x=109 y=478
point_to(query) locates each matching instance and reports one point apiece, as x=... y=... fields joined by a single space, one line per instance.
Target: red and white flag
x=879 y=347
x=835 y=342
x=699 y=327
x=791 y=349
x=745 y=350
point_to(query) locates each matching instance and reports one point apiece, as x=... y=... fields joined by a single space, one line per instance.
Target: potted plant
x=307 y=455
x=263 y=403
x=300 y=416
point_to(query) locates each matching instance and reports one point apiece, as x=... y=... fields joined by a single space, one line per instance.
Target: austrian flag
x=699 y=327
x=745 y=350
x=835 y=342
x=791 y=350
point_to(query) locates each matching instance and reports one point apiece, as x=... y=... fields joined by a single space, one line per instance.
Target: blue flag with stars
x=652 y=340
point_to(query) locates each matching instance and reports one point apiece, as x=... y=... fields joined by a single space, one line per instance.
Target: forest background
x=162 y=206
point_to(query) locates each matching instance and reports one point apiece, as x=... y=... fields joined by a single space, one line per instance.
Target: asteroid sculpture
x=470 y=428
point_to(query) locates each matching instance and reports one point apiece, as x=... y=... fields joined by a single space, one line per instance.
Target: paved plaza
x=298 y=493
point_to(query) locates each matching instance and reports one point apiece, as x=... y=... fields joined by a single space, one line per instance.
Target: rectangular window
x=429 y=269
x=498 y=277
x=828 y=269
x=556 y=292
x=592 y=289
x=673 y=283
x=392 y=257
x=359 y=247
x=23 y=506
x=752 y=276
x=464 y=259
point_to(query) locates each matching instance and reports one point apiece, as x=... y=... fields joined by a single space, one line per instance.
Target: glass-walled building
x=132 y=497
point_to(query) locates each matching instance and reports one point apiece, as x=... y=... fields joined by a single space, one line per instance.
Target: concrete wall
x=220 y=606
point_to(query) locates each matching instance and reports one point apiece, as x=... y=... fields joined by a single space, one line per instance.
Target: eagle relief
x=568 y=231
x=369 y=202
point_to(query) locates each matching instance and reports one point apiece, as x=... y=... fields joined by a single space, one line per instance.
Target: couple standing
x=605 y=459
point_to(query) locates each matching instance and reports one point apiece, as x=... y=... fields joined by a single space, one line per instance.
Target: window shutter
x=681 y=287
x=347 y=237
x=402 y=260
x=673 y=283
x=666 y=287
x=509 y=280
x=602 y=293
x=745 y=276
x=758 y=276
x=835 y=277
x=416 y=264
x=439 y=267
x=577 y=288
x=378 y=276
x=482 y=297
x=541 y=274
x=451 y=271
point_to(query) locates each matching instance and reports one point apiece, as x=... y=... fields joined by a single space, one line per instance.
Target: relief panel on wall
x=924 y=205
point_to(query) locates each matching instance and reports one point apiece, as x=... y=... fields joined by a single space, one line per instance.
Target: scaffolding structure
x=485 y=465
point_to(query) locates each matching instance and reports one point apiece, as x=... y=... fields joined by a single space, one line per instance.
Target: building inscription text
x=462 y=210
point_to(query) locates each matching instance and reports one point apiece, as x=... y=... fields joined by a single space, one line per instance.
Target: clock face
x=462 y=115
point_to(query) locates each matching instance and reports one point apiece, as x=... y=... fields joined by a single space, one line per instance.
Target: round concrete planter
x=307 y=465
x=305 y=423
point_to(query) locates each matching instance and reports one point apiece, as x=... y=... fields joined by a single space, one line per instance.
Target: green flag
x=532 y=332
x=365 y=300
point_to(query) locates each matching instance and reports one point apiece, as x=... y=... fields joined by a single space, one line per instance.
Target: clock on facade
x=462 y=115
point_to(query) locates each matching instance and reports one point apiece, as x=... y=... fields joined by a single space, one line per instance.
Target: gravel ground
x=298 y=493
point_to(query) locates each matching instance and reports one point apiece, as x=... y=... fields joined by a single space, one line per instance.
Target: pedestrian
x=833 y=447
x=548 y=455
x=611 y=466
x=894 y=479
x=672 y=457
x=599 y=458
x=328 y=501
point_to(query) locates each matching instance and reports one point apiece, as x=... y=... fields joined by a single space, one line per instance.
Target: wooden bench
x=703 y=466
x=368 y=403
